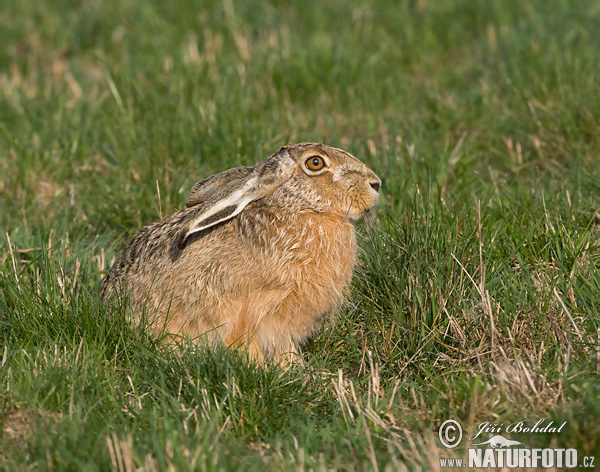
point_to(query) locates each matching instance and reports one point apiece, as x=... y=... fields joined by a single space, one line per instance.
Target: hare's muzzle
x=375 y=185
x=374 y=181
x=364 y=195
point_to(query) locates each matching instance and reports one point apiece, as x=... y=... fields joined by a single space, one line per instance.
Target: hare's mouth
x=354 y=215
x=370 y=213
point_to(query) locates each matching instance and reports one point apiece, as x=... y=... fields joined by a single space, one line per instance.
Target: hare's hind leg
x=287 y=356
x=241 y=336
x=254 y=352
x=246 y=341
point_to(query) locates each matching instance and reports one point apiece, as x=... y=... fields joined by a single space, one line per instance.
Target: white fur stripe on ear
x=225 y=208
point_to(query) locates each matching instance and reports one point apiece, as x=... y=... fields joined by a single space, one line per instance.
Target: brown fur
x=265 y=277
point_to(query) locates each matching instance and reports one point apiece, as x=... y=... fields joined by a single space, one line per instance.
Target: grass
x=478 y=293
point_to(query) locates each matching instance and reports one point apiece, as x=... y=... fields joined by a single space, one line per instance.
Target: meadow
x=477 y=295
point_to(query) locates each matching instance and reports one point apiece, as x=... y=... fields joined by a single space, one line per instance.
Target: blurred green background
x=477 y=296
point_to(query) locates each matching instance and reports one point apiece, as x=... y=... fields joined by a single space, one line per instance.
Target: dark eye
x=315 y=163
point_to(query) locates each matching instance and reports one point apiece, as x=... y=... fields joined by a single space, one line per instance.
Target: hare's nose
x=374 y=180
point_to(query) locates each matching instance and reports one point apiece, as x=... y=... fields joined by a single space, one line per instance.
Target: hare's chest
x=317 y=252
x=305 y=253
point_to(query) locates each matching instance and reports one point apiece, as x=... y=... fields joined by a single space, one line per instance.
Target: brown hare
x=259 y=255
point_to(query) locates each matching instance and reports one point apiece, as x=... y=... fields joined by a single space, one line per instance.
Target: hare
x=258 y=256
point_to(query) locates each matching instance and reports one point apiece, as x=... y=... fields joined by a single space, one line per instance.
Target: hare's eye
x=315 y=163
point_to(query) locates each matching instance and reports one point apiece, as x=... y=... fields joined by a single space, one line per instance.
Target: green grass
x=477 y=297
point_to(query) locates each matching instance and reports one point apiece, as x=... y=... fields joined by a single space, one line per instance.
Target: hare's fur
x=263 y=276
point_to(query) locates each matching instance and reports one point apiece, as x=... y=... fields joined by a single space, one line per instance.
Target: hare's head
x=325 y=178
x=305 y=176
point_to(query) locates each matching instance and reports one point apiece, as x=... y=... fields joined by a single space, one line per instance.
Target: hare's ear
x=221 y=201
x=224 y=204
x=203 y=190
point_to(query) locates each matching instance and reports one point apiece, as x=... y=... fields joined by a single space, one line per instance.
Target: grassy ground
x=478 y=293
